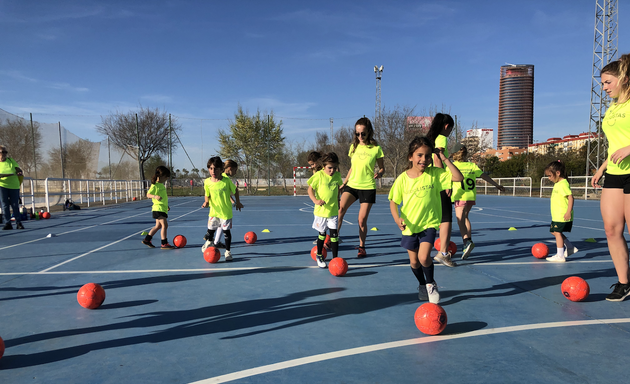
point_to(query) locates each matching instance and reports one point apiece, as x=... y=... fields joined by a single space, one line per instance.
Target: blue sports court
x=273 y=316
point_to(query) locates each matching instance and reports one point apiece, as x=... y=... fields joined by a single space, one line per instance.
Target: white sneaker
x=432 y=292
x=556 y=259
x=570 y=250
x=228 y=256
x=445 y=258
x=205 y=245
x=423 y=295
x=315 y=242
x=320 y=262
x=468 y=247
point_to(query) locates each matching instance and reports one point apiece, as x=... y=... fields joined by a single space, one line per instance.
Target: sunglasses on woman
x=362 y=134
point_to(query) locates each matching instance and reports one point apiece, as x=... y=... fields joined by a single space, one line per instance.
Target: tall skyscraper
x=516 y=106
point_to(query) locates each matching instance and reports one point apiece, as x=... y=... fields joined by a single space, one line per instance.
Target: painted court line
x=397 y=344
x=220 y=269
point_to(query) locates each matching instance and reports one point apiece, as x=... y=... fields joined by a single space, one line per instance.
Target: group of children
x=416 y=205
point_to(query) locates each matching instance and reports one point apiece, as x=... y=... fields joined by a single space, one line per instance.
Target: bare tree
x=150 y=136
x=394 y=137
x=78 y=160
x=19 y=138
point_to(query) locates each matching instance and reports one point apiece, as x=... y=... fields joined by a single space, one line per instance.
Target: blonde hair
x=461 y=155
x=621 y=70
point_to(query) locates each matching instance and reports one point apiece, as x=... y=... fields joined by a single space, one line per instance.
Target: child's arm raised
x=487 y=178
x=456 y=174
x=400 y=222
x=567 y=216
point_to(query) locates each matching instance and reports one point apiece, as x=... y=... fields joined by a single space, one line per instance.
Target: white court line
x=110 y=244
x=312 y=207
x=490 y=264
x=79 y=229
x=397 y=344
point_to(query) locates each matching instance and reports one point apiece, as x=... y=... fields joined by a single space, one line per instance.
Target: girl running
x=464 y=194
x=359 y=183
x=323 y=189
x=561 y=210
x=231 y=167
x=418 y=190
x=157 y=193
x=615 y=201
x=441 y=127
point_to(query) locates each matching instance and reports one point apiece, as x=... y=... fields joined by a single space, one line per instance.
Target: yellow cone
x=591 y=240
x=266 y=230
x=511 y=229
x=374 y=229
x=144 y=233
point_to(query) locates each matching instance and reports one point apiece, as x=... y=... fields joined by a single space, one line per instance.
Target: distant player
x=313 y=161
x=418 y=190
x=218 y=190
x=157 y=193
x=323 y=189
x=464 y=194
x=231 y=167
x=561 y=210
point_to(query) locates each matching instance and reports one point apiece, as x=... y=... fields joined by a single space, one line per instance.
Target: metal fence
x=580 y=187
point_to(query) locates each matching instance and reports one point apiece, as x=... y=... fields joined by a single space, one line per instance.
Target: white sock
x=561 y=252
x=217 y=236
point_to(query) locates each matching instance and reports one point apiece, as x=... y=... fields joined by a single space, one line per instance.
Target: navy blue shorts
x=412 y=243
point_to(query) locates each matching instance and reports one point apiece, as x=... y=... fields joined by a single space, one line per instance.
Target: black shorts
x=617 y=182
x=561 y=226
x=159 y=215
x=412 y=243
x=363 y=195
x=447 y=207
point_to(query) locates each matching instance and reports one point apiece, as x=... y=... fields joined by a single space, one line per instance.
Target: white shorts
x=216 y=223
x=321 y=223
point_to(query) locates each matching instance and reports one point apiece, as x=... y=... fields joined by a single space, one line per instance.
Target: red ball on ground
x=180 y=241
x=91 y=296
x=452 y=247
x=338 y=266
x=1 y=347
x=314 y=253
x=212 y=255
x=540 y=250
x=45 y=215
x=134 y=199
x=250 y=237
x=430 y=319
x=575 y=288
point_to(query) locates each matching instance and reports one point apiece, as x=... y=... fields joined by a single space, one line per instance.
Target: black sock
x=228 y=239
x=419 y=275
x=164 y=241
x=148 y=238
x=428 y=273
x=320 y=242
x=334 y=242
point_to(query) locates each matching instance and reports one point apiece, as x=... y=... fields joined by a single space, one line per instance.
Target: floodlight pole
x=138 y=141
x=63 y=172
x=34 y=156
x=378 y=71
x=268 y=155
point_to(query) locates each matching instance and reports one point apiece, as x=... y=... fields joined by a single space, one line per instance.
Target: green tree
x=253 y=141
x=152 y=133
x=152 y=163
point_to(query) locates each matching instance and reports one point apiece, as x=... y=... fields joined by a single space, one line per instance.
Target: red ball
x=179 y=241
x=540 y=250
x=91 y=296
x=250 y=237
x=452 y=247
x=1 y=347
x=45 y=215
x=430 y=319
x=338 y=266
x=134 y=199
x=212 y=255
x=575 y=288
x=314 y=253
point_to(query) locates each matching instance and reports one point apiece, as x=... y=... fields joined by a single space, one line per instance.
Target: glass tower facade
x=516 y=106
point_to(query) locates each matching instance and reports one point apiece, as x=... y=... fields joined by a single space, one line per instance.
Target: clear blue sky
x=72 y=61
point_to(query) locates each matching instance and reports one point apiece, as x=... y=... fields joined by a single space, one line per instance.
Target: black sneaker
x=7 y=226
x=219 y=245
x=19 y=226
x=620 y=292
x=206 y=237
x=148 y=243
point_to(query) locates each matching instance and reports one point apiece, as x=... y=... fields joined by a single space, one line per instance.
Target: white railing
x=580 y=185
x=92 y=191
x=521 y=186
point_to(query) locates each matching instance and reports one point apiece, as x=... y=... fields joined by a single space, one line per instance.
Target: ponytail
x=161 y=172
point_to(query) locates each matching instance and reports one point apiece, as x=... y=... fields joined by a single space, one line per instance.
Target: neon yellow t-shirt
x=560 y=201
x=8 y=166
x=467 y=189
x=159 y=189
x=326 y=188
x=422 y=206
x=616 y=126
x=442 y=142
x=363 y=160
x=219 y=197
